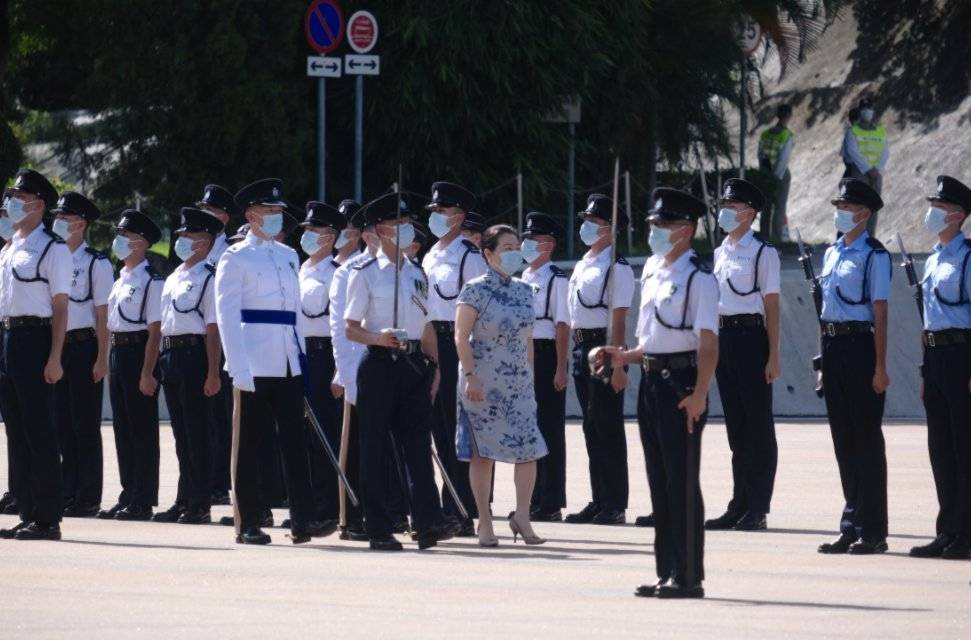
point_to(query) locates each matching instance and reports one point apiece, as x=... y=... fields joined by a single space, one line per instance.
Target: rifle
x=606 y=371
x=908 y=265
x=315 y=423
x=399 y=333
x=805 y=258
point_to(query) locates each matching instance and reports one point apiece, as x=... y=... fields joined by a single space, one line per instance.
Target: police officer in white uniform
x=398 y=376
x=134 y=319
x=78 y=396
x=449 y=264
x=602 y=403
x=189 y=363
x=35 y=281
x=257 y=302
x=551 y=349
x=677 y=334
x=747 y=269
x=322 y=226
x=218 y=202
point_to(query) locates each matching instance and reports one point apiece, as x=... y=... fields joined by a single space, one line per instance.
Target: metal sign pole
x=519 y=202
x=571 y=212
x=359 y=139
x=630 y=218
x=322 y=139
x=742 y=121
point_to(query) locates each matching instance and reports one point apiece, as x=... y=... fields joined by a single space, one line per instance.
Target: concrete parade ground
x=128 y=580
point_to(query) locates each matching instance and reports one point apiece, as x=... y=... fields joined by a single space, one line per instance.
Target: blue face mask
x=438 y=224
x=6 y=228
x=121 y=247
x=510 y=261
x=728 y=219
x=660 y=241
x=589 y=233
x=936 y=220
x=309 y=242
x=406 y=235
x=530 y=249
x=272 y=224
x=16 y=209
x=342 y=240
x=183 y=248
x=61 y=228
x=843 y=221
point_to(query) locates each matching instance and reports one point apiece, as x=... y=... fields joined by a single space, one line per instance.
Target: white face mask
x=183 y=248
x=405 y=234
x=936 y=220
x=16 y=210
x=589 y=233
x=660 y=241
x=309 y=242
x=728 y=219
x=121 y=247
x=438 y=224
x=866 y=115
x=510 y=261
x=530 y=249
x=61 y=228
x=342 y=239
x=271 y=224
x=843 y=221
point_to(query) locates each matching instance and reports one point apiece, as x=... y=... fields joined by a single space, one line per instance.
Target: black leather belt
x=319 y=343
x=670 y=361
x=741 y=320
x=589 y=335
x=182 y=341
x=409 y=347
x=16 y=322
x=946 y=337
x=834 y=329
x=79 y=335
x=443 y=326
x=120 y=338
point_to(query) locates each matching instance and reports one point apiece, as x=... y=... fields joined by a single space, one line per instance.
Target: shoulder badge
x=365 y=264
x=335 y=263
x=470 y=246
x=757 y=236
x=155 y=275
x=876 y=245
x=622 y=260
x=211 y=268
x=557 y=272
x=94 y=252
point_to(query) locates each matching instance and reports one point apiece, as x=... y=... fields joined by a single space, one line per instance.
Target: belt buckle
x=831 y=329
x=721 y=322
x=931 y=342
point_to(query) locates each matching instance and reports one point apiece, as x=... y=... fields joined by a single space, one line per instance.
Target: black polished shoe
x=649 y=590
x=546 y=516
x=172 y=514
x=315 y=529
x=220 y=498
x=354 y=532
x=11 y=533
x=82 y=511
x=724 y=522
x=267 y=520
x=433 y=535
x=285 y=524
x=37 y=531
x=227 y=521
x=644 y=521
x=253 y=535
x=751 y=521
x=109 y=514
x=133 y=513
x=611 y=516
x=959 y=549
x=467 y=530
x=5 y=501
x=868 y=547
x=10 y=507
x=674 y=589
x=584 y=515
x=840 y=545
x=195 y=516
x=385 y=544
x=932 y=549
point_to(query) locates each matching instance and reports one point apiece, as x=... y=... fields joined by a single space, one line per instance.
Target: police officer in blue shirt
x=855 y=283
x=946 y=368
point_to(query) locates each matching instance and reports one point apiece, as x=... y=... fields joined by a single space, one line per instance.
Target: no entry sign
x=362 y=31
x=324 y=25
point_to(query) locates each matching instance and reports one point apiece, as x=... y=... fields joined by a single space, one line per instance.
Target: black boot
x=253 y=535
x=584 y=515
x=723 y=522
x=959 y=549
x=38 y=531
x=933 y=549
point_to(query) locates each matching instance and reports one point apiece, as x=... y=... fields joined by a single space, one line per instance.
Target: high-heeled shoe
x=518 y=531
x=489 y=542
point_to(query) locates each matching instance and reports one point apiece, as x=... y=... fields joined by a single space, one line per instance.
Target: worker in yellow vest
x=775 y=148
x=865 y=152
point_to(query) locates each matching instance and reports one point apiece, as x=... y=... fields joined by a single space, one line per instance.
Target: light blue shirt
x=942 y=279
x=844 y=282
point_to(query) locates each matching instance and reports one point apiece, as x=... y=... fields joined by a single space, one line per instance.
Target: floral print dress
x=503 y=426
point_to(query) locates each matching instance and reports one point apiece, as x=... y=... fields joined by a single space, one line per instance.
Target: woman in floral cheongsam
x=496 y=399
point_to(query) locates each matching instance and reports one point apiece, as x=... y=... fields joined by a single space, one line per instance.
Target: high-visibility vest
x=871 y=143
x=771 y=143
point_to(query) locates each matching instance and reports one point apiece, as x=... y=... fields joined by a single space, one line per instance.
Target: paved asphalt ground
x=127 y=580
